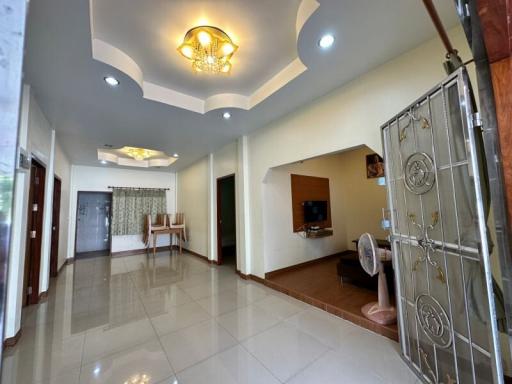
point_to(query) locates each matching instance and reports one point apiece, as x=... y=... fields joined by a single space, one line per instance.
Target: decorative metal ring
x=419 y=173
x=434 y=321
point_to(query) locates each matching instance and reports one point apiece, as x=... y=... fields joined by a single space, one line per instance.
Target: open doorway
x=54 y=256
x=226 y=221
x=93 y=219
x=34 y=233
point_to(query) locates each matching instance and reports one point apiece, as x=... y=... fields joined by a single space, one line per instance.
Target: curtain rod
x=142 y=189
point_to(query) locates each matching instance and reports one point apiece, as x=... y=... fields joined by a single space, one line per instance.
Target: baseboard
x=270 y=274
x=12 y=341
x=133 y=252
x=202 y=257
x=43 y=296
x=66 y=262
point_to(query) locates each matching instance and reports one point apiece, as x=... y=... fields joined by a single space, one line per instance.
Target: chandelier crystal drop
x=209 y=49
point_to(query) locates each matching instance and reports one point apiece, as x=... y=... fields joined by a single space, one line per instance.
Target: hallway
x=176 y=319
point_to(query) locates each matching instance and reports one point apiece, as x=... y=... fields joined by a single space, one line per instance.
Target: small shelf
x=319 y=234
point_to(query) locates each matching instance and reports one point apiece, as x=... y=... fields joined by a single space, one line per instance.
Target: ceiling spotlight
x=103 y=162
x=112 y=81
x=226 y=115
x=326 y=41
x=175 y=155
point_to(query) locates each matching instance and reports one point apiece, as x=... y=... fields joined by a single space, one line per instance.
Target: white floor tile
x=284 y=350
x=180 y=317
x=191 y=345
x=234 y=366
x=280 y=306
x=102 y=342
x=248 y=321
x=146 y=359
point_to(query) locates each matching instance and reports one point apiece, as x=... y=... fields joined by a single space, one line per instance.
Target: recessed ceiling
x=87 y=113
x=141 y=41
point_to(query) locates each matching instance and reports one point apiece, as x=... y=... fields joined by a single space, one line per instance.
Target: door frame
x=76 y=219
x=33 y=251
x=219 y=221
x=55 y=237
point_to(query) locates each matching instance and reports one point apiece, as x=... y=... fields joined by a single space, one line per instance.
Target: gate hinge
x=33 y=234
x=34 y=207
x=477 y=120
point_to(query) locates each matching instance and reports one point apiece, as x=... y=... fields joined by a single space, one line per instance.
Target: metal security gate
x=438 y=202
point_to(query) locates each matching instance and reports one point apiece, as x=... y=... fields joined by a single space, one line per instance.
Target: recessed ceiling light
x=112 y=81
x=103 y=162
x=175 y=155
x=226 y=115
x=326 y=41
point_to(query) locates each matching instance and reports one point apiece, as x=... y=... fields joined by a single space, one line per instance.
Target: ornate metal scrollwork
x=431 y=373
x=423 y=121
x=419 y=174
x=427 y=245
x=434 y=321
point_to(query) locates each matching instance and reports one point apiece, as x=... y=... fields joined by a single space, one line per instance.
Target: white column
x=212 y=219
x=243 y=217
x=19 y=231
x=44 y=275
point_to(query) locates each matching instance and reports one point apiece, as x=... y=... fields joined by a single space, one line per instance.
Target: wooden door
x=34 y=233
x=54 y=257
x=225 y=213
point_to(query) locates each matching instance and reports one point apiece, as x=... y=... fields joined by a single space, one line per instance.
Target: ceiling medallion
x=209 y=49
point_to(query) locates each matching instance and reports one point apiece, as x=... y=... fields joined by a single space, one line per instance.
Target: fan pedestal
x=382 y=316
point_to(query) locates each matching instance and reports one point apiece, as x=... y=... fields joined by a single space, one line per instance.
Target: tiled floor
x=320 y=285
x=177 y=320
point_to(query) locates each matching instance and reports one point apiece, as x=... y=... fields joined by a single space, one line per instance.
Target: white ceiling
x=87 y=114
x=264 y=30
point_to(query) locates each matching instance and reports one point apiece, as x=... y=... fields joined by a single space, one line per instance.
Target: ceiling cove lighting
x=209 y=49
x=326 y=41
x=112 y=81
x=136 y=157
x=226 y=115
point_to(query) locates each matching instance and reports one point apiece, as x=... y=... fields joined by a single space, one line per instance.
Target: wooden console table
x=319 y=233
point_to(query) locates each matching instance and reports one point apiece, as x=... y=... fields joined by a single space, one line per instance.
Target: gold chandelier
x=138 y=153
x=209 y=49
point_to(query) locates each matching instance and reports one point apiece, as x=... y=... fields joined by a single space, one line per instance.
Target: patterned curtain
x=130 y=207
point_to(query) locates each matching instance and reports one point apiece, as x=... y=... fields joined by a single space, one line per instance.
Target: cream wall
x=356 y=204
x=193 y=202
x=363 y=198
x=84 y=178
x=347 y=117
x=37 y=138
x=63 y=171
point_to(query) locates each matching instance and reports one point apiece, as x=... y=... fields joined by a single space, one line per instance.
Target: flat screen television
x=315 y=211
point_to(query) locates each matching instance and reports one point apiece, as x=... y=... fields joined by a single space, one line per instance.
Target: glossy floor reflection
x=177 y=320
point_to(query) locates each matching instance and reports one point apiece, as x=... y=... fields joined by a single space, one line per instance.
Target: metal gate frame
x=472 y=128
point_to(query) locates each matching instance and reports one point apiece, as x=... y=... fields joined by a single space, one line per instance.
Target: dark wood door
x=226 y=219
x=34 y=233
x=54 y=257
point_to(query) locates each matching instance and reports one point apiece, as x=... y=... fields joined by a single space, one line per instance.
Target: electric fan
x=371 y=258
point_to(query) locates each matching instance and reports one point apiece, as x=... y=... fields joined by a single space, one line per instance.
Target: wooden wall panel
x=306 y=188
x=494 y=19
x=501 y=72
